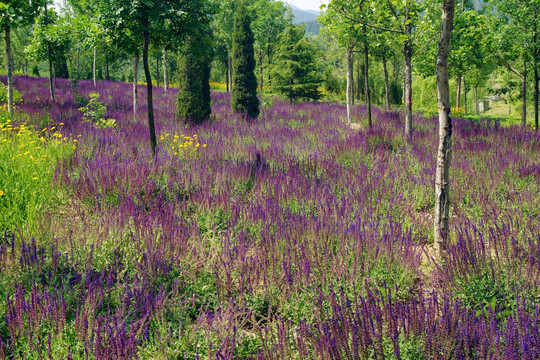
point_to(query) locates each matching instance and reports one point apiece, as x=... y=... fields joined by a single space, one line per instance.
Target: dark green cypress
x=193 y=104
x=60 y=67
x=244 y=89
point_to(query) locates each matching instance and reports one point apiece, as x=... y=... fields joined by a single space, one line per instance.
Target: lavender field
x=289 y=237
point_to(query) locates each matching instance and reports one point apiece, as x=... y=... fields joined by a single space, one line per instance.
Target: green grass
x=28 y=160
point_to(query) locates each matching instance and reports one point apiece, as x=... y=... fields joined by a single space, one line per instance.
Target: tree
x=14 y=13
x=294 y=71
x=392 y=16
x=193 y=103
x=515 y=41
x=160 y=22
x=346 y=32
x=244 y=92
x=444 y=155
x=51 y=39
x=269 y=21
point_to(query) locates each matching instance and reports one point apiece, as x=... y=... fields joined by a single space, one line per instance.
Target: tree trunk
x=261 y=58
x=407 y=86
x=227 y=74
x=366 y=77
x=464 y=95
x=386 y=84
x=51 y=88
x=358 y=81
x=151 y=126
x=269 y=66
x=349 y=90
x=94 y=74
x=444 y=154
x=458 y=91
x=25 y=65
x=165 y=79
x=157 y=70
x=107 y=77
x=135 y=78
x=524 y=94
x=229 y=65
x=476 y=99
x=78 y=63
x=9 y=55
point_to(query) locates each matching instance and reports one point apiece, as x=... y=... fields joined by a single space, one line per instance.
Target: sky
x=308 y=4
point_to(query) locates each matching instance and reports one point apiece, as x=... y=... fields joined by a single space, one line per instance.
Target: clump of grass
x=28 y=159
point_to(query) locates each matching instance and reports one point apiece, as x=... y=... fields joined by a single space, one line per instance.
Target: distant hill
x=308 y=18
x=303 y=16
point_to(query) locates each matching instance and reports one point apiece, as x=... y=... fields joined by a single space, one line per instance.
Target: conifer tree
x=193 y=103
x=294 y=70
x=244 y=90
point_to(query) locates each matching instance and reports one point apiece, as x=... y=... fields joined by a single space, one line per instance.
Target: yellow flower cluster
x=183 y=145
x=458 y=112
x=29 y=147
x=218 y=86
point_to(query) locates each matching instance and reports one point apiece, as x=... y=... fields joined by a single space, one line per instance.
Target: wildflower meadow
x=292 y=236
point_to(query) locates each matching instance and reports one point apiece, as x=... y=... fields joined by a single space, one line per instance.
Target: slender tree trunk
x=165 y=77
x=261 y=58
x=151 y=126
x=157 y=70
x=476 y=99
x=386 y=84
x=135 y=78
x=229 y=66
x=458 y=91
x=227 y=76
x=51 y=88
x=366 y=77
x=78 y=63
x=268 y=53
x=349 y=91
x=25 y=66
x=444 y=154
x=107 y=77
x=407 y=86
x=358 y=81
x=524 y=93
x=9 y=55
x=464 y=95
x=94 y=73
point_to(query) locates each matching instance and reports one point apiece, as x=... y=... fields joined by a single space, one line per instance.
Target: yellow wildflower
x=1 y=193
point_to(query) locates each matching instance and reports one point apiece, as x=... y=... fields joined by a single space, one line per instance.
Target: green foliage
x=18 y=12
x=244 y=92
x=193 y=104
x=94 y=111
x=61 y=67
x=51 y=39
x=294 y=73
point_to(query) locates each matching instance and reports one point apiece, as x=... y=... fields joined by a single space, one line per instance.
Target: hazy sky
x=308 y=4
